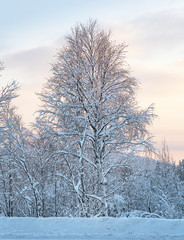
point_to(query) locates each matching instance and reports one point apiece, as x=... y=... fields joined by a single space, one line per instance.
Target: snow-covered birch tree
x=89 y=105
x=8 y=92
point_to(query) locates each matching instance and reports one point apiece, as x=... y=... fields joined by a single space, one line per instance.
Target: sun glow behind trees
x=152 y=29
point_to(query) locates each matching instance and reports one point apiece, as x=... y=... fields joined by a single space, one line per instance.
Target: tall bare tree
x=90 y=105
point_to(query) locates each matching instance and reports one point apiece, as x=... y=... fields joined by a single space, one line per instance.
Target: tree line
x=83 y=156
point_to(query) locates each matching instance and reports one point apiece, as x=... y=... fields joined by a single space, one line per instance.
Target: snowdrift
x=94 y=228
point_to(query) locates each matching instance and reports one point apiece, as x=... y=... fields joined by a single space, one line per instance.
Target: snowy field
x=95 y=228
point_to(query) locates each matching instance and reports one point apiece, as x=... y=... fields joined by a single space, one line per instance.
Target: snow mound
x=91 y=228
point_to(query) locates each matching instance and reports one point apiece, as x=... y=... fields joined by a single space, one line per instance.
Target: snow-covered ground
x=94 y=228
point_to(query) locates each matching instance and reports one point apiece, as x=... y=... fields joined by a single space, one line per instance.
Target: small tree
x=6 y=171
x=89 y=105
x=9 y=92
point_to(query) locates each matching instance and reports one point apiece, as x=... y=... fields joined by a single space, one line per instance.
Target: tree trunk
x=10 y=203
x=102 y=183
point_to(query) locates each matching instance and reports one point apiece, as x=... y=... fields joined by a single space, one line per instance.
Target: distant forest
x=89 y=152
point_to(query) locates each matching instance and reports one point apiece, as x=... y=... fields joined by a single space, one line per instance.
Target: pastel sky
x=32 y=30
